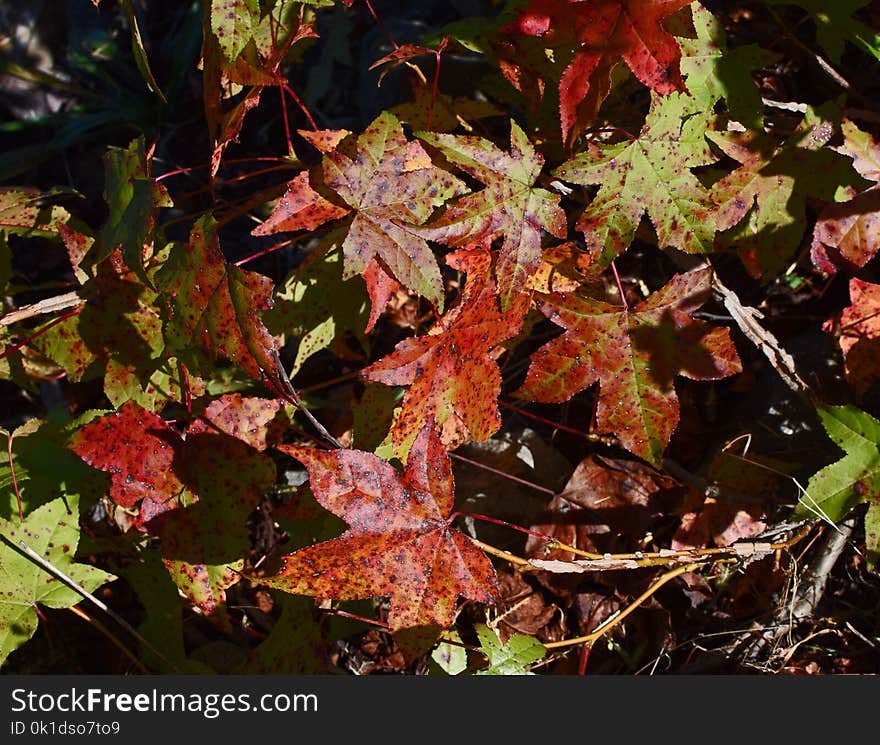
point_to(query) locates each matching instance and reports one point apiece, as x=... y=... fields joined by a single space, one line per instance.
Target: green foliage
x=511 y=658
x=52 y=531
x=854 y=479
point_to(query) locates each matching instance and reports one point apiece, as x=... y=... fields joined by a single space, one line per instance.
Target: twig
x=74 y=585
x=614 y=620
x=293 y=397
x=48 y=305
x=746 y=318
x=77 y=611
x=811 y=588
x=822 y=63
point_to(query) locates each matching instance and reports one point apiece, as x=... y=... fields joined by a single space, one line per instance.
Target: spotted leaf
x=649 y=174
x=453 y=377
x=212 y=309
x=509 y=207
x=634 y=354
x=399 y=543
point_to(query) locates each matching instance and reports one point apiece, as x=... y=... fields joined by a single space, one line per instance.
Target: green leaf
x=837 y=488
x=651 y=173
x=317 y=306
x=133 y=199
x=512 y=658
x=854 y=479
x=163 y=625
x=294 y=646
x=449 y=658
x=44 y=470
x=140 y=54
x=233 y=23
x=766 y=197
x=713 y=71
x=53 y=532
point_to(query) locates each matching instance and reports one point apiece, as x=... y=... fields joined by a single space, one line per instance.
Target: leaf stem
x=619 y=286
x=524 y=482
x=302 y=106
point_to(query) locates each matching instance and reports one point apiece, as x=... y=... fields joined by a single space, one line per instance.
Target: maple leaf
x=836 y=489
x=399 y=543
x=316 y=305
x=138 y=449
x=301 y=208
x=44 y=469
x=604 y=32
x=25 y=211
x=212 y=308
x=232 y=22
x=634 y=354
x=509 y=207
x=389 y=185
x=771 y=187
x=851 y=228
x=452 y=373
x=248 y=52
x=651 y=173
x=53 y=532
x=512 y=657
x=859 y=337
x=714 y=71
x=195 y=492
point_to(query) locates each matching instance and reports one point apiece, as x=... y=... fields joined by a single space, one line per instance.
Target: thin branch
x=49 y=305
x=78 y=588
x=614 y=620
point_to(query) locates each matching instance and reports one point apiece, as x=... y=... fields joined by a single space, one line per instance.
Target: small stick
x=77 y=611
x=74 y=585
x=612 y=621
x=48 y=305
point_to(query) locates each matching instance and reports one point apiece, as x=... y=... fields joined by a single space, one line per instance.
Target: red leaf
x=324 y=140
x=138 y=449
x=604 y=32
x=381 y=288
x=301 y=208
x=399 y=543
x=255 y=421
x=390 y=185
x=860 y=335
x=452 y=372
x=634 y=354
x=213 y=307
x=509 y=207
x=156 y=469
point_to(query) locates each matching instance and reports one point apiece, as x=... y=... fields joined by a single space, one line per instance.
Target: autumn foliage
x=599 y=243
